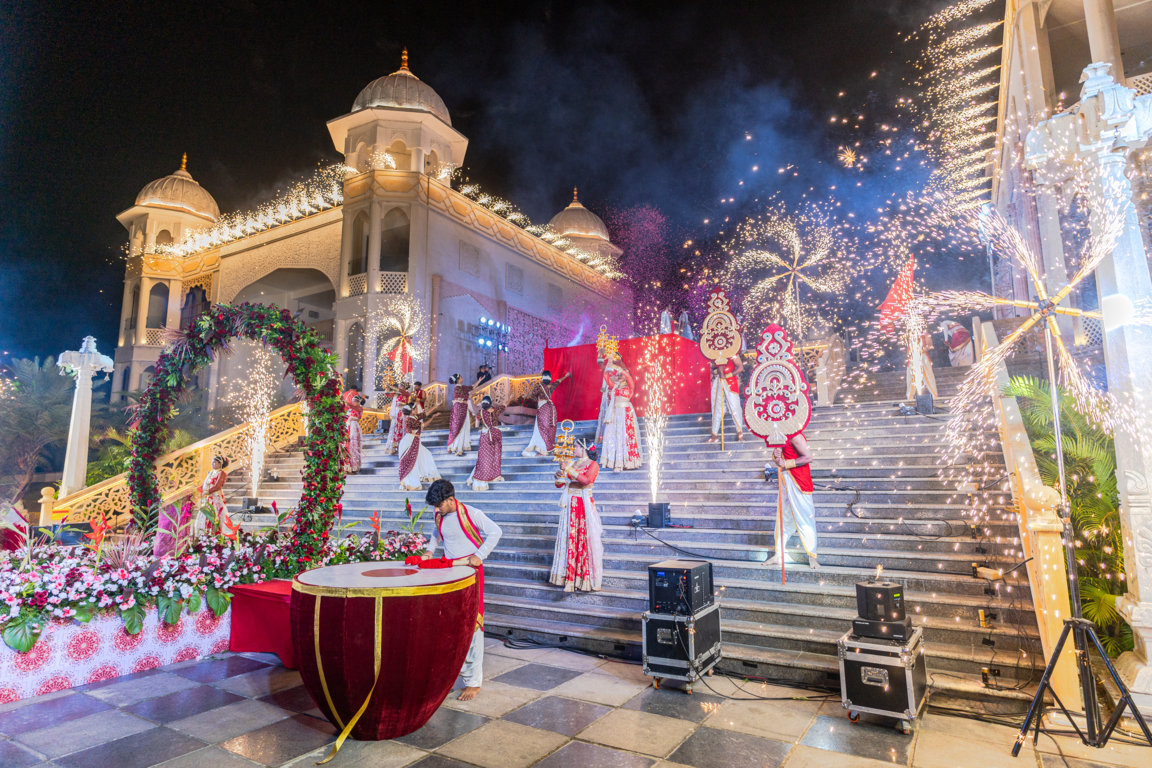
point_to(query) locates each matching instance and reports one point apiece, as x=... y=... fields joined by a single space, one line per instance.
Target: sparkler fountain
x=655 y=415
x=253 y=399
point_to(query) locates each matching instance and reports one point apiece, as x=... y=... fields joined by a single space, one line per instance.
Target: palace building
x=396 y=234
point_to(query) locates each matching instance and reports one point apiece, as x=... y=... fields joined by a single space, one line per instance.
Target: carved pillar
x=142 y=311
x=172 y=318
x=346 y=246
x=1103 y=37
x=372 y=267
x=434 y=328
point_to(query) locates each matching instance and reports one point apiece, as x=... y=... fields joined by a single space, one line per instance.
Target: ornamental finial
x=404 y=59
x=184 y=162
x=574 y=198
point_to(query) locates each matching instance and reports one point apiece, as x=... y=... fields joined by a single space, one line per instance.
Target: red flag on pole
x=899 y=296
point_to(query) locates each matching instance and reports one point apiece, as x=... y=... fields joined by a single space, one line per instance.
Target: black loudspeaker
x=924 y=403
x=880 y=600
x=680 y=587
x=658 y=515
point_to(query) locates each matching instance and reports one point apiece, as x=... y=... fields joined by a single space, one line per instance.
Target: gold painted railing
x=436 y=398
x=1041 y=532
x=505 y=389
x=181 y=472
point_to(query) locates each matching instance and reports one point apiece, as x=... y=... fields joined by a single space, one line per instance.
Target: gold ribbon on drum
x=379 y=632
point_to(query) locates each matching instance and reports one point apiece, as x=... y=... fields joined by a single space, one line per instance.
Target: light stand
x=1083 y=631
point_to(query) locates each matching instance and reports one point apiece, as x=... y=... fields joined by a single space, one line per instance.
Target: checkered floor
x=543 y=708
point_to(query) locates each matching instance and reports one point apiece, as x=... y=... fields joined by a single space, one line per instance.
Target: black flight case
x=883 y=677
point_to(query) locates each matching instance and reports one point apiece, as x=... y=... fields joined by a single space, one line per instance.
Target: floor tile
x=501 y=744
x=1113 y=753
x=364 y=754
x=494 y=700
x=209 y=757
x=523 y=654
x=439 y=761
x=280 y=742
x=624 y=671
x=444 y=725
x=21 y=703
x=537 y=676
x=495 y=666
x=578 y=753
x=223 y=723
x=182 y=704
x=784 y=720
x=935 y=749
x=674 y=703
x=140 y=750
x=714 y=748
x=261 y=682
x=295 y=699
x=555 y=713
x=558 y=657
x=810 y=757
x=600 y=688
x=219 y=669
x=117 y=680
x=13 y=755
x=54 y=711
x=638 y=732
x=132 y=691
x=876 y=742
x=83 y=732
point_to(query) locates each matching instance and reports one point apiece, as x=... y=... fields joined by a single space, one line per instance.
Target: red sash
x=472 y=533
x=802 y=475
x=730 y=376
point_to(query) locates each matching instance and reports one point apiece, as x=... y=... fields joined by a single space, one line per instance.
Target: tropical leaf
x=218 y=600
x=133 y=619
x=21 y=633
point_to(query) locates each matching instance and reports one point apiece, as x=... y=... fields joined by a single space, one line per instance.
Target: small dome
x=578 y=221
x=404 y=90
x=180 y=191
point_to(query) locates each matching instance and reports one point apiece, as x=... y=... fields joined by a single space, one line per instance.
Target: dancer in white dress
x=544 y=432
x=416 y=463
x=621 y=433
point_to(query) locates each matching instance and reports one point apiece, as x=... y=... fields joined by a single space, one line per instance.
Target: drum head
x=386 y=576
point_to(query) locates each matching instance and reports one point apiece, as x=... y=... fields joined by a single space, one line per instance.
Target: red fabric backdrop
x=684 y=368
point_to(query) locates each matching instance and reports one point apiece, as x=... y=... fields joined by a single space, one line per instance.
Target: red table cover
x=262 y=620
x=685 y=370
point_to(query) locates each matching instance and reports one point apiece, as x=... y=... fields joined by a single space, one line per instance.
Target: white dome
x=179 y=190
x=578 y=221
x=404 y=90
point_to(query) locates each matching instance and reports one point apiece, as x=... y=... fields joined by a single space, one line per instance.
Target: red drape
x=685 y=373
x=261 y=620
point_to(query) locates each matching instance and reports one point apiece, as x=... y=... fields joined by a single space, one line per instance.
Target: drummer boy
x=468 y=536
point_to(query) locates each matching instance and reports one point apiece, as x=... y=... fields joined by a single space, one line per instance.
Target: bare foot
x=712 y=439
x=739 y=437
x=468 y=693
x=813 y=563
x=772 y=562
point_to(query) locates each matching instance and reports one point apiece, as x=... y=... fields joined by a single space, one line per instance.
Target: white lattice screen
x=393 y=282
x=1142 y=84
x=358 y=284
x=154 y=337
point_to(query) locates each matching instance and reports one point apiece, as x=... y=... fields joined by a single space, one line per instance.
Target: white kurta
x=798 y=515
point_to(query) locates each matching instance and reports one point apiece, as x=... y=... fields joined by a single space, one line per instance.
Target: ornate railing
x=154 y=337
x=358 y=284
x=1041 y=532
x=505 y=389
x=436 y=398
x=831 y=368
x=180 y=473
x=392 y=282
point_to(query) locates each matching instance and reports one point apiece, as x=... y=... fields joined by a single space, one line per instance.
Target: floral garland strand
x=310 y=365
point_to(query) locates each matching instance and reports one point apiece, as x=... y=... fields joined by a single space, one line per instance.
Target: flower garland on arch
x=311 y=366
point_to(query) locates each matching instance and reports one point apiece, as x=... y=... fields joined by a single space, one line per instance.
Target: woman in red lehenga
x=621 y=435
x=416 y=463
x=578 y=558
x=459 y=425
x=212 y=492
x=544 y=433
x=490 y=452
x=395 y=419
x=353 y=452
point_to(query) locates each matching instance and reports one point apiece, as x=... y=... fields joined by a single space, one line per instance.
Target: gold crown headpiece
x=565 y=442
x=607 y=345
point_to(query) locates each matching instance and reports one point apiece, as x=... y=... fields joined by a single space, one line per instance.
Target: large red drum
x=384 y=638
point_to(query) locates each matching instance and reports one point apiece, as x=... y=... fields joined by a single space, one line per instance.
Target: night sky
x=646 y=103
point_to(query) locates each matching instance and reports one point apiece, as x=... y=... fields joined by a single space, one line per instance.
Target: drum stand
x=1083 y=632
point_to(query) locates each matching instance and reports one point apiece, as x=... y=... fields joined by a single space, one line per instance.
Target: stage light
x=479 y=342
x=483 y=320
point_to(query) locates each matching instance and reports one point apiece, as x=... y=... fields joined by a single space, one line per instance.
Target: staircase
x=879 y=501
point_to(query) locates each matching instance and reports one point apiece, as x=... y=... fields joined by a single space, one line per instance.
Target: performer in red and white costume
x=459 y=425
x=418 y=398
x=468 y=536
x=395 y=420
x=920 y=377
x=960 y=350
x=416 y=463
x=726 y=396
x=212 y=491
x=578 y=558
x=490 y=453
x=605 y=396
x=353 y=451
x=544 y=433
x=797 y=510
x=621 y=434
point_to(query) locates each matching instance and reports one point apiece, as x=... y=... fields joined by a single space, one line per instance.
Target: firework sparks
x=847 y=157
x=656 y=387
x=253 y=400
x=400 y=326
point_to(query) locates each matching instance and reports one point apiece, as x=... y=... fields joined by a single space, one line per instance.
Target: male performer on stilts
x=726 y=396
x=468 y=536
x=796 y=512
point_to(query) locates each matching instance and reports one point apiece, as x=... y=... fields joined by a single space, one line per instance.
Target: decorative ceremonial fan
x=607 y=346
x=720 y=336
x=777 y=407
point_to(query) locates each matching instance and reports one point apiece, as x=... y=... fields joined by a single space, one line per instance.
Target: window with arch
x=432 y=164
x=157 y=306
x=399 y=151
x=195 y=302
x=394 y=241
x=126 y=380
x=163 y=237
x=146 y=376
x=134 y=307
x=356 y=262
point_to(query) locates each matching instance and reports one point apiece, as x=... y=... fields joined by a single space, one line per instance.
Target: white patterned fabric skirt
x=425 y=469
x=621 y=438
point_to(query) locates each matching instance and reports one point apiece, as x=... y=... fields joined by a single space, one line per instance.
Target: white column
x=418 y=159
x=346 y=246
x=174 y=301
x=127 y=311
x=1103 y=37
x=142 y=311
x=83 y=365
x=373 y=257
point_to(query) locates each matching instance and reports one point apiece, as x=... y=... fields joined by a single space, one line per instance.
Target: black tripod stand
x=1083 y=632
